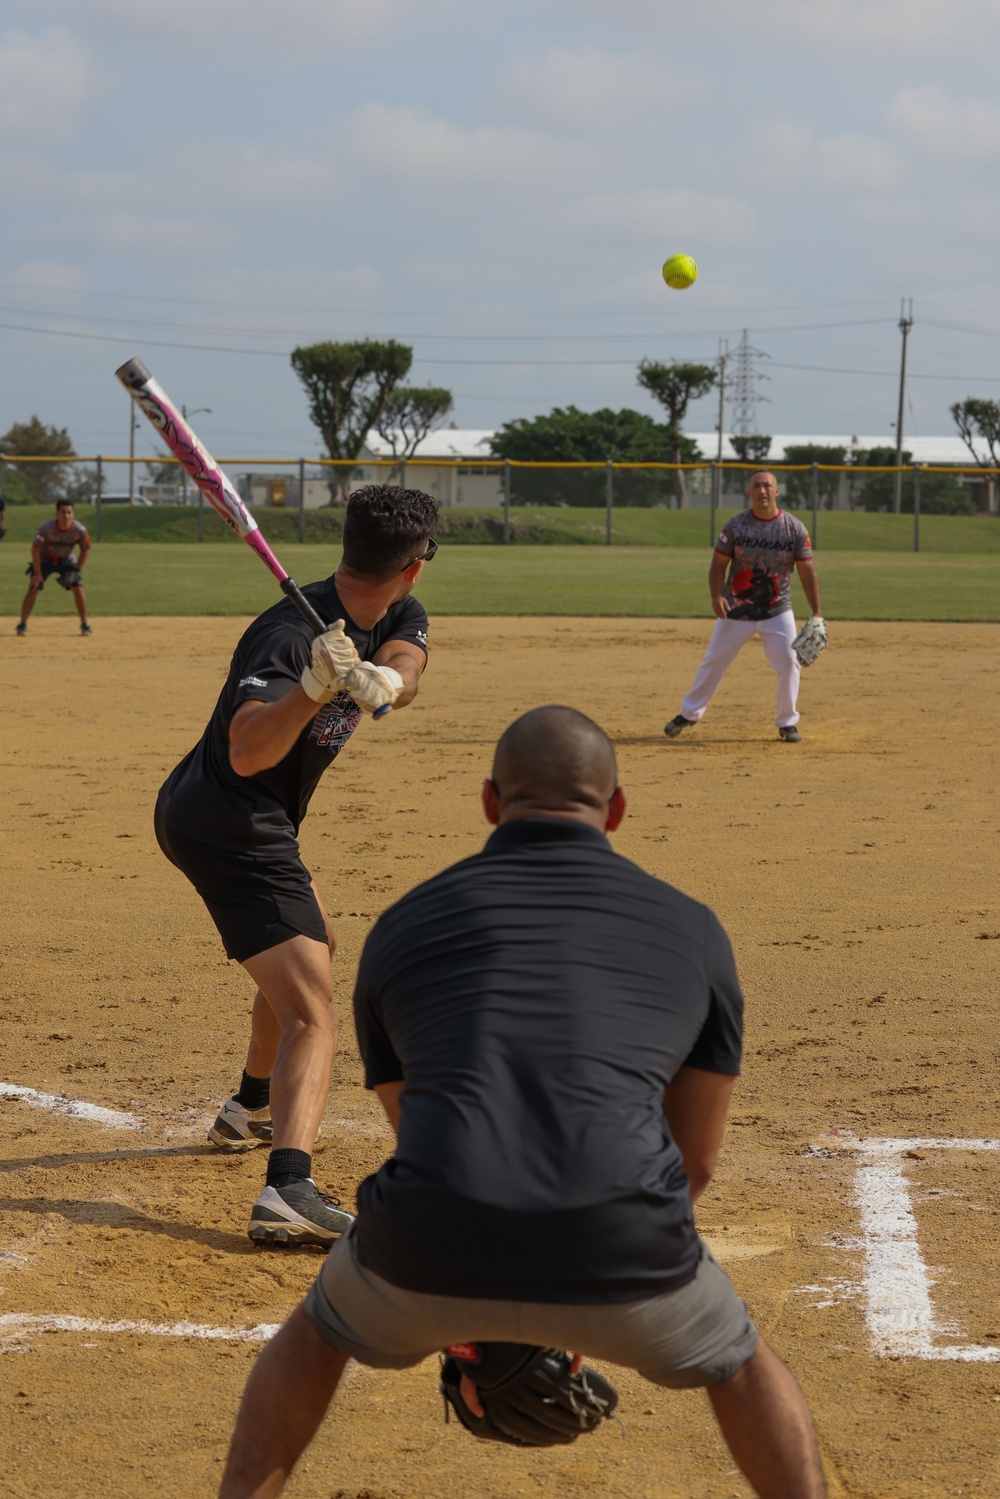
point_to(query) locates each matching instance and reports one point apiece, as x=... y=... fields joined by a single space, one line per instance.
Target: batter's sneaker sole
x=297 y=1215
x=676 y=725
x=237 y=1129
x=790 y=735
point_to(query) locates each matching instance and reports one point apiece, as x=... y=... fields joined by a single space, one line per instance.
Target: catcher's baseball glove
x=70 y=577
x=528 y=1394
x=811 y=640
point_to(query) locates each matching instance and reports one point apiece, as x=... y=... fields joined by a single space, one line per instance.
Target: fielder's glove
x=811 y=640
x=70 y=577
x=333 y=655
x=529 y=1396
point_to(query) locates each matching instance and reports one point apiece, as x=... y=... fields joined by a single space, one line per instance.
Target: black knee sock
x=255 y=1092
x=286 y=1166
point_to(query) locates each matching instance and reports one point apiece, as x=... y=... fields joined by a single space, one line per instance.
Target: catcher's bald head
x=554 y=762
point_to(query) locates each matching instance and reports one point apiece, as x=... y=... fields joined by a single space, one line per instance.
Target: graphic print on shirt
x=764 y=554
x=335 y=722
x=56 y=544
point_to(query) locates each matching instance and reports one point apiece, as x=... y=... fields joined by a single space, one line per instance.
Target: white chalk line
x=55 y=1103
x=17 y=1325
x=899 y=1309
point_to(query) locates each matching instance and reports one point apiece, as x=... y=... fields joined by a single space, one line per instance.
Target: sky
x=210 y=184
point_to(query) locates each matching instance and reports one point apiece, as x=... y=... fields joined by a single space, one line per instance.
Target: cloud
x=847 y=26
x=677 y=220
x=790 y=156
x=45 y=82
x=307 y=33
x=47 y=275
x=594 y=89
x=145 y=235
x=945 y=129
x=427 y=152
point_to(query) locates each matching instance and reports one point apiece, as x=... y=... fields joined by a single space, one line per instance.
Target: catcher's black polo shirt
x=537 y=998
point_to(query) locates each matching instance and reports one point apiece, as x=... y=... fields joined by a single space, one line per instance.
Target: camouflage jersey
x=763 y=554
x=56 y=545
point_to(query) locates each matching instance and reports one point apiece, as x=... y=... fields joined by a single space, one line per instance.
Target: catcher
x=555 y=1036
x=52 y=552
x=760 y=547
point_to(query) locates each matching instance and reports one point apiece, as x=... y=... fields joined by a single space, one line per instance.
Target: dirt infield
x=857 y=875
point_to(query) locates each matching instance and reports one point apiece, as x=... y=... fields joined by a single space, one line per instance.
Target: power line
x=159 y=343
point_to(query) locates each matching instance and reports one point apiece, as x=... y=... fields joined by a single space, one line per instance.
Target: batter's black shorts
x=256 y=897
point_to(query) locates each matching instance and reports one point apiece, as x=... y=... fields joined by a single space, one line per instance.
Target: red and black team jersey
x=763 y=553
x=57 y=545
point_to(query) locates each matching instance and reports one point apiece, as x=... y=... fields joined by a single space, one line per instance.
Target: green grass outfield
x=135 y=578
x=837 y=531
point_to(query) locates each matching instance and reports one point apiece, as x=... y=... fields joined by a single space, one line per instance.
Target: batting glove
x=373 y=687
x=333 y=656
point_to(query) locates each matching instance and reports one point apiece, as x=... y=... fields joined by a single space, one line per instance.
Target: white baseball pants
x=728 y=639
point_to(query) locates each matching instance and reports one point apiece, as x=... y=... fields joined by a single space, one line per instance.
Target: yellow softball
x=680 y=272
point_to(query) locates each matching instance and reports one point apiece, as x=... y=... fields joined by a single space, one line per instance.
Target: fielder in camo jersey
x=52 y=552
x=760 y=548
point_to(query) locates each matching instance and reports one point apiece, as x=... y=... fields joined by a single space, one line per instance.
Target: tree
x=36 y=483
x=348 y=386
x=977 y=418
x=568 y=435
x=751 y=448
x=675 y=386
x=410 y=412
x=940 y=494
x=798 y=487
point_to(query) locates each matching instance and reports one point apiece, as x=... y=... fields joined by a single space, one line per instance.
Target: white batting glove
x=333 y=656
x=372 y=687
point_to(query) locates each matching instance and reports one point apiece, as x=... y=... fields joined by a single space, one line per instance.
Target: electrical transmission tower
x=743 y=381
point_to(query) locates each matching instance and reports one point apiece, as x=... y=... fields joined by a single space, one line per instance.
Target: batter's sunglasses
x=432 y=551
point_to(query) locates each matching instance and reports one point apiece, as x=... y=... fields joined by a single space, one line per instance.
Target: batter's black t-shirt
x=537 y=999
x=205 y=799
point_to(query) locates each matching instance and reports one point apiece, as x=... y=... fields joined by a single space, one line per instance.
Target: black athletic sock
x=287 y=1166
x=255 y=1092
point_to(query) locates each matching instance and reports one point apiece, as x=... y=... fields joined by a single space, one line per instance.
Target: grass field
x=133 y=578
x=838 y=531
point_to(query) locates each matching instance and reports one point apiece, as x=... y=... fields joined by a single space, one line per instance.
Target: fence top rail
x=982 y=471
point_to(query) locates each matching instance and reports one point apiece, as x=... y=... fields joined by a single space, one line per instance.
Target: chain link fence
x=488 y=500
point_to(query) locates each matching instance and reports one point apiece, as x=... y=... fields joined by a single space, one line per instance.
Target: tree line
x=358 y=387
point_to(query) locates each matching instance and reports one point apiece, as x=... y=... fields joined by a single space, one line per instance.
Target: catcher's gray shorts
x=698 y=1335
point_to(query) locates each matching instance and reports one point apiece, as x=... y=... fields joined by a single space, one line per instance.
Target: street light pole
x=133 y=422
x=905 y=324
x=184 y=477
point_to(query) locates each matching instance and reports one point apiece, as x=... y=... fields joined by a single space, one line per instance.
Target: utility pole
x=905 y=324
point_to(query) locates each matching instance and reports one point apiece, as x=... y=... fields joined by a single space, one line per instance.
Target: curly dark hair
x=386 y=528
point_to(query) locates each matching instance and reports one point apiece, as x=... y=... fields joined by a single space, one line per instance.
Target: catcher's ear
x=491 y=802
x=617 y=804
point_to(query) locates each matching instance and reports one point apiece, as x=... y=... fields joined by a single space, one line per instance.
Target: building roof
x=933 y=450
x=471 y=443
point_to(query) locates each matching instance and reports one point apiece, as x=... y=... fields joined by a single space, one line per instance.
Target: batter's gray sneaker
x=285 y=1217
x=790 y=734
x=674 y=727
x=237 y=1129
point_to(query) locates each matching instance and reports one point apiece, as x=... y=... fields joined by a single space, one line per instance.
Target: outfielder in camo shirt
x=52 y=552
x=760 y=548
